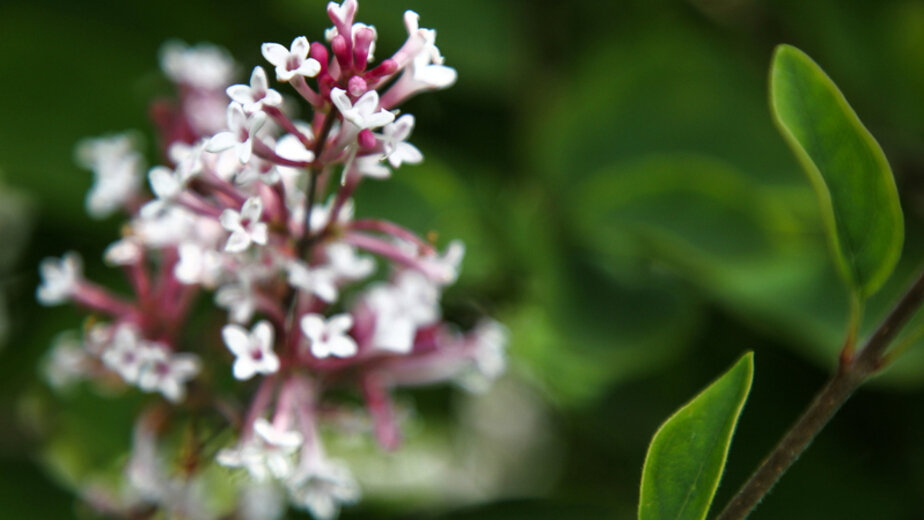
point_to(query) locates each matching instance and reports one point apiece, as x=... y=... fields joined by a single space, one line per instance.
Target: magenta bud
x=357 y=86
x=386 y=68
x=341 y=51
x=364 y=39
x=319 y=52
x=366 y=139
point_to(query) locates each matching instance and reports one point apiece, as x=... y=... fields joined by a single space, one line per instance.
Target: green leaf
x=856 y=190
x=688 y=452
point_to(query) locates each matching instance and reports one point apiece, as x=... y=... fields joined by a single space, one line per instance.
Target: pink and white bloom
x=167 y=373
x=394 y=137
x=329 y=337
x=257 y=95
x=293 y=61
x=245 y=226
x=253 y=351
x=242 y=130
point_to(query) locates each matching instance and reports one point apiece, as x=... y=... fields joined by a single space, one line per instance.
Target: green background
x=629 y=209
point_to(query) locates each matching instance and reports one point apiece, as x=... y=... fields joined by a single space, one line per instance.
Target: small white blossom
x=117 y=168
x=402 y=307
x=319 y=280
x=323 y=488
x=239 y=298
x=394 y=144
x=202 y=66
x=67 y=363
x=241 y=132
x=126 y=251
x=187 y=158
x=489 y=345
x=365 y=113
x=255 y=96
x=60 y=278
x=164 y=226
x=293 y=61
x=245 y=226
x=167 y=373
x=291 y=147
x=253 y=351
x=268 y=454
x=125 y=353
x=371 y=166
x=345 y=263
x=329 y=337
x=427 y=70
x=198 y=265
x=320 y=215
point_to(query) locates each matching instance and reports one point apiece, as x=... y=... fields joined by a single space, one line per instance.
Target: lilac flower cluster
x=257 y=208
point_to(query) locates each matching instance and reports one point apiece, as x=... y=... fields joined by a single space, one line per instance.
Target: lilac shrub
x=320 y=310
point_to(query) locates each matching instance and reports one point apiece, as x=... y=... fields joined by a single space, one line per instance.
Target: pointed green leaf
x=856 y=190
x=688 y=452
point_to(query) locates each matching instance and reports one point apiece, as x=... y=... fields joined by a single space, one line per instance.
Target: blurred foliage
x=629 y=210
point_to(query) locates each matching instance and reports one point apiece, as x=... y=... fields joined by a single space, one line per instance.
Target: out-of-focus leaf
x=856 y=190
x=688 y=452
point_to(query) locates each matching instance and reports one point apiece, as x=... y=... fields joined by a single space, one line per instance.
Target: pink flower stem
x=390 y=251
x=390 y=228
x=382 y=411
x=287 y=124
x=98 y=299
x=261 y=401
x=261 y=150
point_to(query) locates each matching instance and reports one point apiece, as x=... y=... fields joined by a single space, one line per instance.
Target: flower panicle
x=256 y=208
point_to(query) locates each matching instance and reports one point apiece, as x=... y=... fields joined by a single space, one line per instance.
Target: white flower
x=411 y=302
x=329 y=337
x=240 y=134
x=427 y=69
x=345 y=263
x=167 y=185
x=125 y=354
x=117 y=169
x=203 y=66
x=365 y=113
x=291 y=147
x=187 y=158
x=268 y=454
x=255 y=96
x=198 y=265
x=315 y=280
x=393 y=142
x=323 y=488
x=167 y=373
x=489 y=343
x=168 y=225
x=126 y=251
x=253 y=351
x=245 y=226
x=320 y=215
x=445 y=268
x=60 y=278
x=67 y=363
x=239 y=298
x=371 y=166
x=292 y=61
